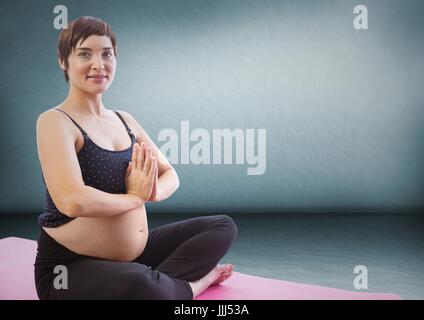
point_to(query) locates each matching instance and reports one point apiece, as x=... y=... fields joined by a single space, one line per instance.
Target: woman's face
x=92 y=64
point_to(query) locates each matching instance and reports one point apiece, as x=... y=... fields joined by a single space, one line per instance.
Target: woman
x=94 y=226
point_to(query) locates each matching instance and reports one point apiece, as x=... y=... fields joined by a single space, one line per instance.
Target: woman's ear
x=61 y=64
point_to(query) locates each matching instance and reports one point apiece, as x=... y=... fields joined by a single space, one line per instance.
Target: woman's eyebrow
x=89 y=49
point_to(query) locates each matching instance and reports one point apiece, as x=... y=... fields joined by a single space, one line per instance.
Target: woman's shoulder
x=52 y=117
x=127 y=117
x=49 y=113
x=52 y=110
x=135 y=127
x=123 y=113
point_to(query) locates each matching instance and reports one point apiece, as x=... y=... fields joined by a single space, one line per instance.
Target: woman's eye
x=86 y=54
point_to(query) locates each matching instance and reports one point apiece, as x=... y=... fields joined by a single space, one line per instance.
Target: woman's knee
x=227 y=223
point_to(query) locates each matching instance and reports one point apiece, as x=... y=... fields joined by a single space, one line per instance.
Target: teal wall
x=342 y=108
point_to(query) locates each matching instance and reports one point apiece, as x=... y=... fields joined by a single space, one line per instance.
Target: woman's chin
x=98 y=90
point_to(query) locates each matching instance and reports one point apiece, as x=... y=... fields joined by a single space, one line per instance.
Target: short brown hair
x=78 y=29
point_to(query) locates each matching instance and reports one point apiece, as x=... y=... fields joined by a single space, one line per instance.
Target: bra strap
x=125 y=124
x=81 y=129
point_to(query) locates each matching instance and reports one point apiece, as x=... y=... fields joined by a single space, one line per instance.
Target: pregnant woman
x=100 y=168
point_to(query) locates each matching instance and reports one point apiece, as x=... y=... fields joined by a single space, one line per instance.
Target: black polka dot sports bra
x=101 y=169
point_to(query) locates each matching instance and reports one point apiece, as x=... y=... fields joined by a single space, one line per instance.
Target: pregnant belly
x=121 y=237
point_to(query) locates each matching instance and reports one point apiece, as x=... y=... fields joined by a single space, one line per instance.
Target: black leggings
x=175 y=254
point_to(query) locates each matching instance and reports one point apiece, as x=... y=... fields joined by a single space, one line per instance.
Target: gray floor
x=313 y=248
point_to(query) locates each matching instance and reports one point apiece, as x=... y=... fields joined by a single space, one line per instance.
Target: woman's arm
x=62 y=173
x=92 y=203
x=165 y=186
x=167 y=181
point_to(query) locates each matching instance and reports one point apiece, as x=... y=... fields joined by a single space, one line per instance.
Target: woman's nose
x=98 y=64
x=98 y=68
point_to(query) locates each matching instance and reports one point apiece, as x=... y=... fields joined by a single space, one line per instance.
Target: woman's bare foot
x=218 y=274
x=221 y=273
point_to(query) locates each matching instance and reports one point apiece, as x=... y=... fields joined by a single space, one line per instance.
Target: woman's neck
x=86 y=104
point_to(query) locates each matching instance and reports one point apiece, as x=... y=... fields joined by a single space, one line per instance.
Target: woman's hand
x=141 y=171
x=155 y=186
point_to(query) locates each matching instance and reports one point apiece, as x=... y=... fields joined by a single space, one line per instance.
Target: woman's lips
x=97 y=78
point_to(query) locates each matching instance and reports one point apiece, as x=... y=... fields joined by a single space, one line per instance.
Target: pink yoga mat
x=17 y=281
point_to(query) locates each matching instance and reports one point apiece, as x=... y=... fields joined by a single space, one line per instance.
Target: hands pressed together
x=142 y=172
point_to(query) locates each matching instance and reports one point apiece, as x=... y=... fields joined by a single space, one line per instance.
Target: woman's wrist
x=135 y=196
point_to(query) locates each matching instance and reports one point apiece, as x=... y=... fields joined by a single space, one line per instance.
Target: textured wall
x=342 y=108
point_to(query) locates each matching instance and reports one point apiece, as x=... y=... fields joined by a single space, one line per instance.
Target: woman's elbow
x=177 y=180
x=70 y=209
x=72 y=206
x=74 y=210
